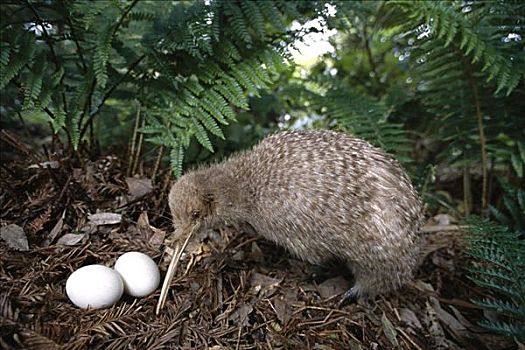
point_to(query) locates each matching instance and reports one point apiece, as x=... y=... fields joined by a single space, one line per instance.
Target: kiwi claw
x=350 y=296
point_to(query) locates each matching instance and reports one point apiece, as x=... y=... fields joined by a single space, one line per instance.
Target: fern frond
x=74 y=128
x=176 y=160
x=232 y=92
x=238 y=22
x=364 y=117
x=59 y=121
x=251 y=10
x=449 y=25
x=23 y=56
x=201 y=135
x=33 y=84
x=208 y=122
x=506 y=328
x=272 y=14
x=101 y=55
x=142 y=16
x=501 y=306
x=220 y=102
x=501 y=255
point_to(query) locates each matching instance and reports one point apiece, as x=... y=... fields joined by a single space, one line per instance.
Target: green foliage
x=500 y=254
x=191 y=65
x=512 y=213
x=461 y=58
x=442 y=70
x=479 y=30
x=361 y=115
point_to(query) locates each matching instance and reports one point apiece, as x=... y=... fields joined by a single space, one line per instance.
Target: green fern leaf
x=218 y=100
x=231 y=92
x=101 y=55
x=201 y=135
x=251 y=10
x=176 y=160
x=215 y=109
x=238 y=22
x=19 y=60
x=34 y=84
x=74 y=128
x=517 y=164
x=59 y=121
x=208 y=122
x=272 y=14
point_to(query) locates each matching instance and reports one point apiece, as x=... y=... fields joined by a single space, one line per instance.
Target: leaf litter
x=234 y=290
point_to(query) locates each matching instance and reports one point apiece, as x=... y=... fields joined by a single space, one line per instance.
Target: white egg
x=139 y=272
x=94 y=286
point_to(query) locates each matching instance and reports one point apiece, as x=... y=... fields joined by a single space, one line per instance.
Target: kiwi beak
x=186 y=236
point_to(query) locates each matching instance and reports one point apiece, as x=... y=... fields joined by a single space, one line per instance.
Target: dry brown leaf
x=409 y=317
x=56 y=229
x=105 y=218
x=264 y=285
x=333 y=287
x=283 y=305
x=435 y=329
x=240 y=315
x=469 y=325
x=154 y=235
x=389 y=330
x=139 y=187
x=157 y=237
x=70 y=239
x=15 y=237
x=457 y=329
x=256 y=253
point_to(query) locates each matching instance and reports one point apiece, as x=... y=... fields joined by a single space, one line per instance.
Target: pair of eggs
x=98 y=286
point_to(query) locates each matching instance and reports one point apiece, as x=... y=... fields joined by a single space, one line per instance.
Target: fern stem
x=371 y=62
x=139 y=148
x=157 y=164
x=123 y=17
x=467 y=191
x=74 y=36
x=134 y=141
x=483 y=144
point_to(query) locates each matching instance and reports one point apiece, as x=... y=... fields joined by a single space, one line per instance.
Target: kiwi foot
x=350 y=296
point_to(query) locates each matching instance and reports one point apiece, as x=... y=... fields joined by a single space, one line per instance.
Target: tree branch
x=124 y=15
x=108 y=93
x=74 y=36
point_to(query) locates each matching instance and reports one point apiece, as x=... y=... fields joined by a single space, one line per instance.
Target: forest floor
x=233 y=291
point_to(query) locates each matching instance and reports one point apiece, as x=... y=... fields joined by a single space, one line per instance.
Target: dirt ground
x=232 y=291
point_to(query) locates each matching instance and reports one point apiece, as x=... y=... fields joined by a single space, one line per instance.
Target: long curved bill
x=171 y=270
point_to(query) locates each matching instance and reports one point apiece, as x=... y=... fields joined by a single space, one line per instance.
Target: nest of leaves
x=232 y=291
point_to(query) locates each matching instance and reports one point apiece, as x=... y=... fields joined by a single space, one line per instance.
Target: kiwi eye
x=195 y=214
